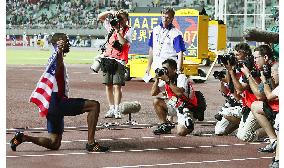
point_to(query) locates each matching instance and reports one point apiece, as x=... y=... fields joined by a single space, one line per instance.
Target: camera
x=267 y=71
x=117 y=45
x=248 y=62
x=160 y=71
x=114 y=20
x=219 y=74
x=227 y=57
x=218 y=116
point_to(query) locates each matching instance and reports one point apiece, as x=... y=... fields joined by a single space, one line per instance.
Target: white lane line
x=117 y=151
x=124 y=138
x=191 y=162
x=147 y=137
x=170 y=148
x=131 y=150
x=205 y=146
x=223 y=145
x=186 y=147
x=255 y=143
x=136 y=150
x=106 y=139
x=169 y=136
x=151 y=149
x=239 y=144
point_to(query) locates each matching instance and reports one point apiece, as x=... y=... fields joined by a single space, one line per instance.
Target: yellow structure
x=199 y=51
x=195 y=34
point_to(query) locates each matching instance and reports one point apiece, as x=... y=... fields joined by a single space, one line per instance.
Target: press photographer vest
x=114 y=53
x=248 y=98
x=190 y=101
x=274 y=105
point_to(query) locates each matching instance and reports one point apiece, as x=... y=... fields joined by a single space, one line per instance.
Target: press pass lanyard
x=161 y=40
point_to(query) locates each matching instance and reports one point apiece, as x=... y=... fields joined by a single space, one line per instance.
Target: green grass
x=21 y=56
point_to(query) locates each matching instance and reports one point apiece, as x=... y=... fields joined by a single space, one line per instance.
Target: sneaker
x=17 y=140
x=164 y=128
x=96 y=147
x=109 y=113
x=270 y=148
x=274 y=163
x=189 y=123
x=117 y=114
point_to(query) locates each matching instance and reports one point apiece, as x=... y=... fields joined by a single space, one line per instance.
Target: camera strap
x=108 y=37
x=161 y=39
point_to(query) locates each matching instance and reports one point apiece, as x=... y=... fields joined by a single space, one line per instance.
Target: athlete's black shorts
x=58 y=109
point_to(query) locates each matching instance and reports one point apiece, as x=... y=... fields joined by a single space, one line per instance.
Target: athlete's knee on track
x=54 y=144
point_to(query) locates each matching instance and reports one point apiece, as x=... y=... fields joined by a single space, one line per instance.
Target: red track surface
x=129 y=147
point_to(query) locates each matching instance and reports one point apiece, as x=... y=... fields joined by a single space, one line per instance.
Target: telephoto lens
x=160 y=72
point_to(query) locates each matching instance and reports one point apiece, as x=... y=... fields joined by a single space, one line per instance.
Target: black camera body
x=267 y=71
x=114 y=20
x=117 y=45
x=219 y=74
x=160 y=72
x=227 y=57
x=248 y=62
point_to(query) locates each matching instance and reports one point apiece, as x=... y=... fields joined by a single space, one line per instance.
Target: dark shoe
x=274 y=163
x=96 y=147
x=164 y=128
x=17 y=140
x=270 y=148
x=200 y=115
x=172 y=125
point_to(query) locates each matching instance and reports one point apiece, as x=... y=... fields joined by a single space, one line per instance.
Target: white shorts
x=247 y=128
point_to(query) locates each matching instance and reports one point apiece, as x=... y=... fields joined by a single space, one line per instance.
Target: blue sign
x=143 y=26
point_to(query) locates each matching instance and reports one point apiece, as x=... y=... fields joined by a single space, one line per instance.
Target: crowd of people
x=58 y=14
x=249 y=83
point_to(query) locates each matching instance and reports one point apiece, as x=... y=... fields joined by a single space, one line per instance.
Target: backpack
x=201 y=106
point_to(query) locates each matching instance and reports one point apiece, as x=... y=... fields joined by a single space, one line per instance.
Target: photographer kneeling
x=266 y=111
x=231 y=113
x=181 y=99
x=115 y=57
x=250 y=130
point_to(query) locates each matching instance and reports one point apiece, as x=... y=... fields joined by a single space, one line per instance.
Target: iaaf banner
x=143 y=26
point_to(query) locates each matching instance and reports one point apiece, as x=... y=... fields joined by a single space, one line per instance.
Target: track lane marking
x=130 y=150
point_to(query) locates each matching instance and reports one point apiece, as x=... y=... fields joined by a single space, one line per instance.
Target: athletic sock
x=111 y=107
x=116 y=108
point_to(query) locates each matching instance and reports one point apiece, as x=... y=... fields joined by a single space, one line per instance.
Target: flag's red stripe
x=43 y=113
x=43 y=93
x=39 y=104
x=47 y=82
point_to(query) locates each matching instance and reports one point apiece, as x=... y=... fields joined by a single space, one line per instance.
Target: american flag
x=45 y=86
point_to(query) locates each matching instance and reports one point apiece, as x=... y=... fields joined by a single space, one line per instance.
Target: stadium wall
x=100 y=33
